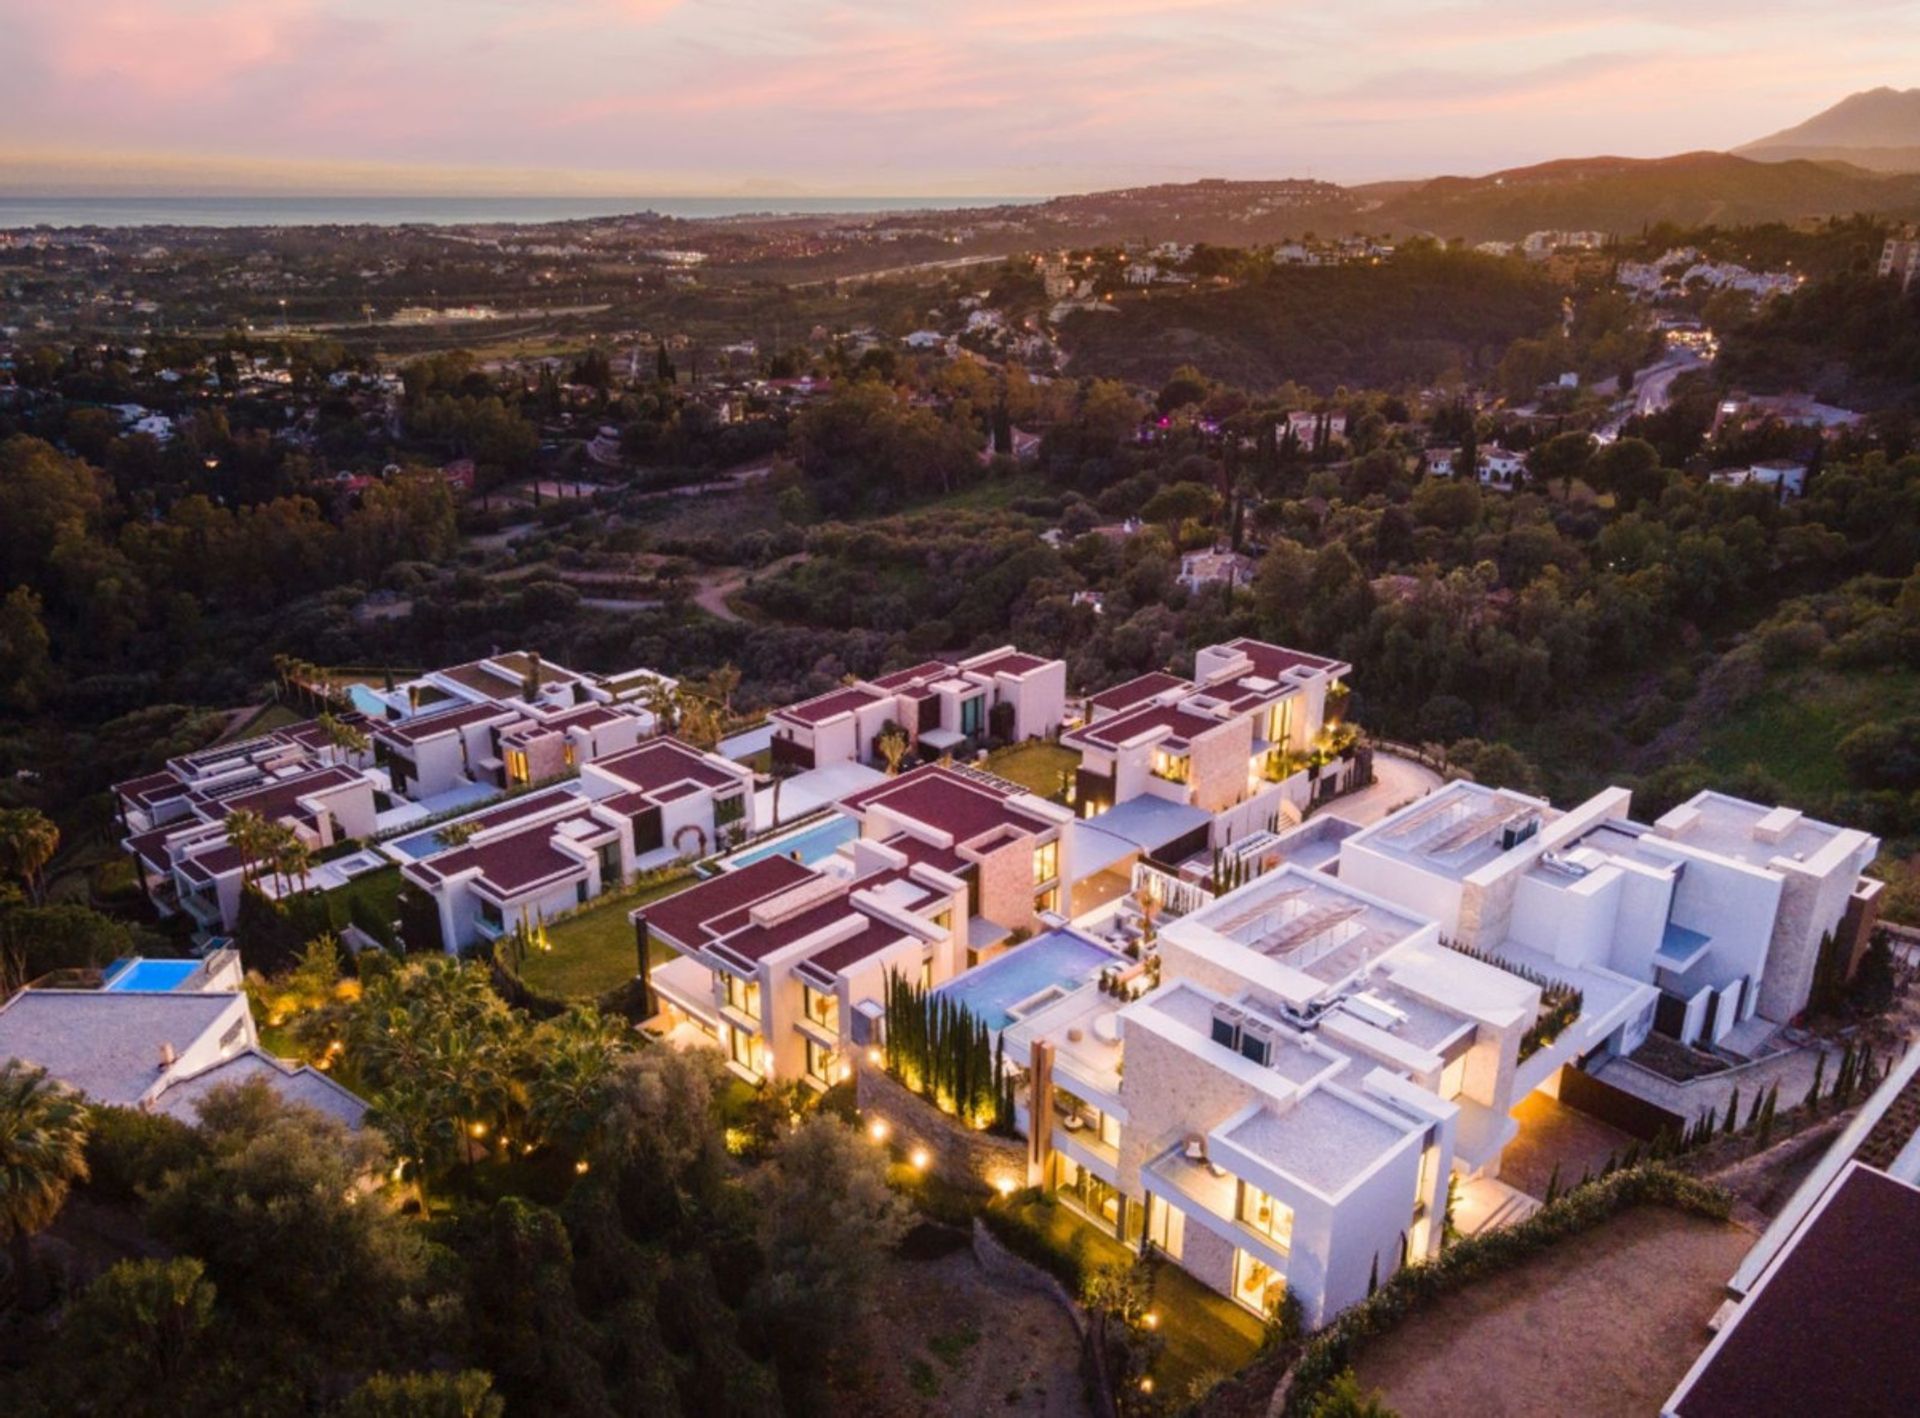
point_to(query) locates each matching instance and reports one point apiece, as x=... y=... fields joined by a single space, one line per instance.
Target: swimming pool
x=1049 y=965
x=421 y=844
x=149 y=974
x=822 y=840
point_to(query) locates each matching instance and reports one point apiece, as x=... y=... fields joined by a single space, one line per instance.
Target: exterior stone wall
x=1207 y=1258
x=956 y=1153
x=1218 y=765
x=1006 y=885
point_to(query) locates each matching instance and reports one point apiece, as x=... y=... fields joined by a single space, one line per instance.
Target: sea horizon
x=27 y=212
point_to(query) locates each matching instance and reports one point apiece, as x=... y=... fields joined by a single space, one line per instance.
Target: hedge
x=1029 y=1240
x=1463 y=1262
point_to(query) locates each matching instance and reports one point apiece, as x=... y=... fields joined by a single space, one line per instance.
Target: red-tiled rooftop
x=683 y=916
x=1832 y=1327
x=1185 y=725
x=430 y=725
x=512 y=863
x=150 y=788
x=947 y=802
x=1272 y=661
x=280 y=798
x=900 y=679
x=660 y=762
x=1011 y=663
x=826 y=706
x=1138 y=690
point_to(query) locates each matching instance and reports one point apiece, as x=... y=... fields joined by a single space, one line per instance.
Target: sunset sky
x=895 y=97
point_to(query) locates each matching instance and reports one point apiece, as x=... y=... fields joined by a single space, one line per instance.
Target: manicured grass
x=377 y=891
x=593 y=950
x=273 y=716
x=1035 y=766
x=1203 y=1332
x=1791 y=729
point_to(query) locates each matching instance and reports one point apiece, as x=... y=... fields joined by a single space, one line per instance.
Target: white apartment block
x=784 y=966
x=545 y=853
x=940 y=705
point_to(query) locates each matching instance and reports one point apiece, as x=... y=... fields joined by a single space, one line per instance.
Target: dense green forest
x=1427 y=313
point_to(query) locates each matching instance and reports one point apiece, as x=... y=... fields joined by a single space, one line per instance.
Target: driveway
x=1396 y=782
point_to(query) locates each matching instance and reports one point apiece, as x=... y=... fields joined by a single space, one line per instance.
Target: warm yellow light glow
x=400 y=1170
x=919 y=1159
x=477 y=1129
x=1004 y=1186
x=877 y=1129
x=580 y=1168
x=1151 y=1320
x=1146 y=1385
x=873 y=1057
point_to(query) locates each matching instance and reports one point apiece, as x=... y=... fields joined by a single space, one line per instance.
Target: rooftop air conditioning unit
x=1515 y=833
x=1256 y=1042
x=1226 y=1025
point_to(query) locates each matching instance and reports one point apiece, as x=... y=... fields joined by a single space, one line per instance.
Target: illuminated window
x=1166 y=1228
x=743 y=996
x=823 y=1008
x=567 y=753
x=517 y=767
x=1046 y=861
x=1267 y=1215
x=1171 y=766
x=819 y=1061
x=1048 y=900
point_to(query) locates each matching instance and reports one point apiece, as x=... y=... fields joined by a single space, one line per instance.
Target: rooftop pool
x=821 y=840
x=1028 y=977
x=155 y=975
x=363 y=698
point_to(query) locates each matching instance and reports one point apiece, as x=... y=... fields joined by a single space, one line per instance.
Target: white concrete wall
x=1423 y=893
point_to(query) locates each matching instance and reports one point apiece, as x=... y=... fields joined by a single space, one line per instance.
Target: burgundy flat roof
x=1111 y=732
x=1272 y=661
x=824 y=707
x=1832 y=1327
x=1138 y=690
x=949 y=802
x=682 y=917
x=1013 y=662
x=430 y=725
x=656 y=764
x=900 y=679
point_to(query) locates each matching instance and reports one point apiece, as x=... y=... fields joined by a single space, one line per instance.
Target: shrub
x=129 y=1151
x=1031 y=1241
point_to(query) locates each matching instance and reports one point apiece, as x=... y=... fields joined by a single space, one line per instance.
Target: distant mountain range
x=1619 y=196
x=1878 y=129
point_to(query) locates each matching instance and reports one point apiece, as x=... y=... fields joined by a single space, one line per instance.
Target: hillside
x=1878 y=129
x=1407 y=321
x=1622 y=195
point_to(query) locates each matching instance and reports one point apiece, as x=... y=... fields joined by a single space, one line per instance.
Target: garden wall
x=958 y=1154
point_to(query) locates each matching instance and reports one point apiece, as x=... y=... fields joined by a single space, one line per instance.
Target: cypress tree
x=1553 y=1185
x=1733 y=1112
x=1819 y=1075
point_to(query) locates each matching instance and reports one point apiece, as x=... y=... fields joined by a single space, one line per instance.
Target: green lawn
x=271 y=717
x=593 y=950
x=1205 y=1333
x=1035 y=766
x=376 y=892
x=1791 y=729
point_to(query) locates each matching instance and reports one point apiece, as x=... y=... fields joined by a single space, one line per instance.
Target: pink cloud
x=168 y=52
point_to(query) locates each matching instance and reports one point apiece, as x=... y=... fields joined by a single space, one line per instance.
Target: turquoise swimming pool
x=154 y=975
x=821 y=840
x=366 y=701
x=1049 y=964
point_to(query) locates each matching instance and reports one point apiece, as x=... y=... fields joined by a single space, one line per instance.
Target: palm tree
x=724 y=681
x=43 y=1152
x=28 y=840
x=893 y=748
x=247 y=835
x=662 y=700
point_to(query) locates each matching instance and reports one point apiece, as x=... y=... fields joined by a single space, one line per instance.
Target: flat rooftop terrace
x=1308 y=922
x=1457 y=830
x=1322 y=1140
x=1746 y=832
